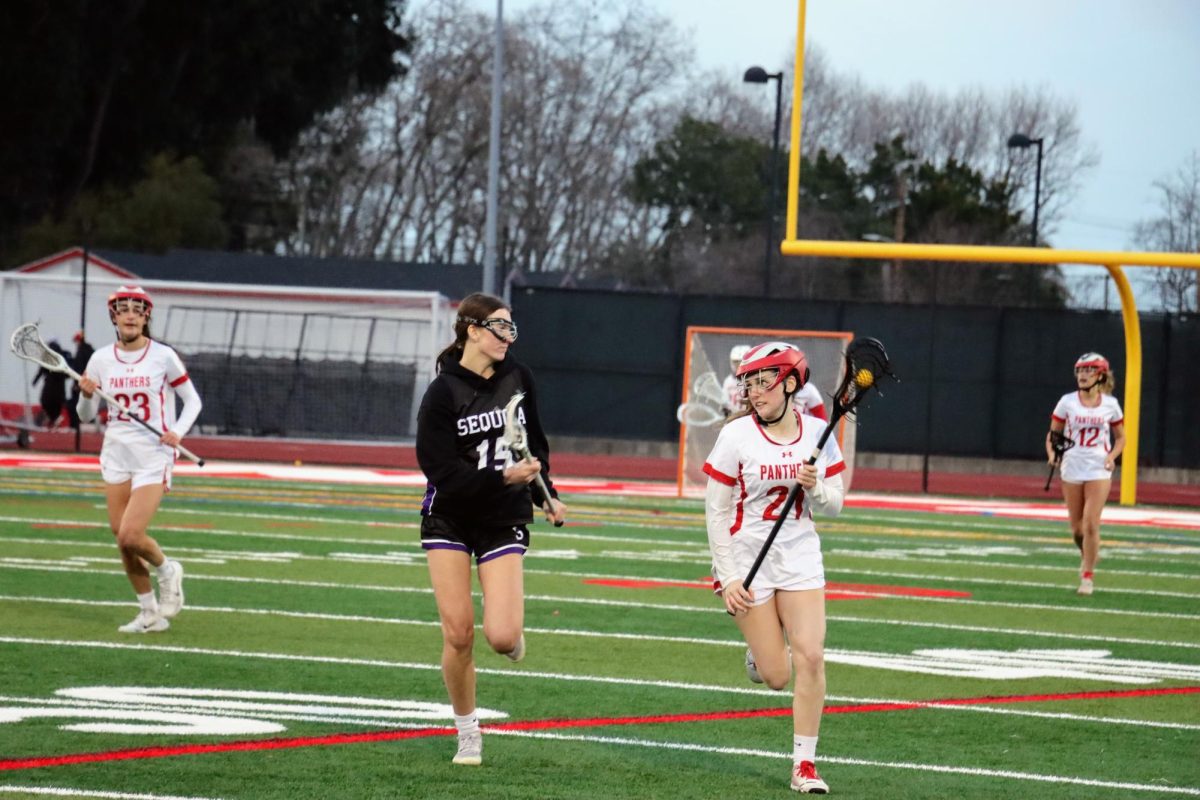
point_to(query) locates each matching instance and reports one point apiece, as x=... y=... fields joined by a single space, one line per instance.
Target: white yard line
x=574 y=678
x=68 y=792
x=42 y=566
x=826 y=759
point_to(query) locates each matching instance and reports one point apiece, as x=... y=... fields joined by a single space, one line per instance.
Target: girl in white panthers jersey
x=759 y=456
x=145 y=376
x=1089 y=417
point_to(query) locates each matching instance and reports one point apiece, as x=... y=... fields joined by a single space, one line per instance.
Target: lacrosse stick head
x=514 y=431
x=1060 y=442
x=27 y=343
x=866 y=365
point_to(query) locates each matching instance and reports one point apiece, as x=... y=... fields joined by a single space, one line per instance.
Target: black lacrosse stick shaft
x=1060 y=444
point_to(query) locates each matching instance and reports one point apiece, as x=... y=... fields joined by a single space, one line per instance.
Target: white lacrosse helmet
x=736 y=354
x=134 y=294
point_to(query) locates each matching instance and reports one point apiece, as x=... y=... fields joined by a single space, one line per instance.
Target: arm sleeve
x=192 y=404
x=539 y=447
x=827 y=496
x=437 y=453
x=88 y=407
x=718 y=510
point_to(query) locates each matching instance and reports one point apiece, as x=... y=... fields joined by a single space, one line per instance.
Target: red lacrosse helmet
x=134 y=293
x=786 y=358
x=1092 y=360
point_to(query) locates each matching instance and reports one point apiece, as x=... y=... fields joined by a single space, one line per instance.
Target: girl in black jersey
x=479 y=498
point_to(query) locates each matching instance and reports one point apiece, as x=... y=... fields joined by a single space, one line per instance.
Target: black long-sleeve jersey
x=461 y=450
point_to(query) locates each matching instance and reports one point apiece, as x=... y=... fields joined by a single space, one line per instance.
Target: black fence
x=301 y=398
x=974 y=381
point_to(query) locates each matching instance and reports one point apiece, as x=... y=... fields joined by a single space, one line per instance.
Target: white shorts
x=145 y=468
x=793 y=568
x=1074 y=471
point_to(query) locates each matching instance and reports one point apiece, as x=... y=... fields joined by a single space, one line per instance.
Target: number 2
x=780 y=494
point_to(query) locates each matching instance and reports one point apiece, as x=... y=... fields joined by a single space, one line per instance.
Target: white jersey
x=734 y=401
x=761 y=472
x=1090 y=429
x=809 y=398
x=144 y=381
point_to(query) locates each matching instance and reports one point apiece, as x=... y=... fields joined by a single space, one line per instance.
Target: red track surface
x=621 y=467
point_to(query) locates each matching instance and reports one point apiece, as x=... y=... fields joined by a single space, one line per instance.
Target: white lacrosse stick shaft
x=55 y=362
x=515 y=437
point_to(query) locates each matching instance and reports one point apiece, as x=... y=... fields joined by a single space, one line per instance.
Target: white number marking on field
x=1000 y=665
x=141 y=710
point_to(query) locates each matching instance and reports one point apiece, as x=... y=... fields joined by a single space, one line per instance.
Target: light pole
x=760 y=75
x=1022 y=141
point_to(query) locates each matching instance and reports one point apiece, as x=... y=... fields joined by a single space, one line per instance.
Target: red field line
x=38 y=762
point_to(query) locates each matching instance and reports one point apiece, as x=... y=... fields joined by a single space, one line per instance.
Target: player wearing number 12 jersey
x=146 y=377
x=479 y=499
x=756 y=461
x=1090 y=417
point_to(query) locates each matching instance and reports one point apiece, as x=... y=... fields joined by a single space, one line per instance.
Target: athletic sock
x=804 y=748
x=1087 y=575
x=467 y=723
x=164 y=569
x=148 y=602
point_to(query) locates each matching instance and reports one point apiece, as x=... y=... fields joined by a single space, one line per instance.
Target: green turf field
x=960 y=662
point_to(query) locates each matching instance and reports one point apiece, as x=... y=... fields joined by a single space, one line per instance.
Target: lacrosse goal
x=706 y=392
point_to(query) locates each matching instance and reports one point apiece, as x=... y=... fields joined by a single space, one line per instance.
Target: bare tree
x=1177 y=230
x=404 y=177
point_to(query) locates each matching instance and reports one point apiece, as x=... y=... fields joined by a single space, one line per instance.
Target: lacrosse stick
x=516 y=439
x=866 y=365
x=699 y=415
x=1060 y=444
x=27 y=343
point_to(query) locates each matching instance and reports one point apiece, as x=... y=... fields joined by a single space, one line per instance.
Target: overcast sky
x=1132 y=68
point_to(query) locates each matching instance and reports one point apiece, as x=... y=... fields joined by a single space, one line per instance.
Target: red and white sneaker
x=806 y=780
x=1086 y=587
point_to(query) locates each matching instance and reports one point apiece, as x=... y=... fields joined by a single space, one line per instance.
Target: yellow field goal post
x=705 y=399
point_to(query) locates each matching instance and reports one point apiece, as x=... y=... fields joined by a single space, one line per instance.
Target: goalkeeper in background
x=479 y=499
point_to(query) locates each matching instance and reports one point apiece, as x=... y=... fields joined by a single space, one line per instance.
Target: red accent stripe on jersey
x=1120 y=421
x=818 y=412
x=181 y=379
x=741 y=503
x=799 y=430
x=835 y=469
x=717 y=475
x=1058 y=419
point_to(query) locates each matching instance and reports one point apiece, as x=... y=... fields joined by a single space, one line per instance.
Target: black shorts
x=484 y=542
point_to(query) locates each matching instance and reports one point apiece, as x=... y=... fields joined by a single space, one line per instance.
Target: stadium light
x=1023 y=142
x=760 y=75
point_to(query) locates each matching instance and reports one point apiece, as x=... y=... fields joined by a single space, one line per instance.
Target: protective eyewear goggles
x=763 y=381
x=126 y=304
x=503 y=329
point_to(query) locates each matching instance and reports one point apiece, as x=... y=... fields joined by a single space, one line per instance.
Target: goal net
x=709 y=396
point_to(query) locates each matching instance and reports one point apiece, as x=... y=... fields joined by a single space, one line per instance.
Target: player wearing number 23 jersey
x=146 y=381
x=1090 y=429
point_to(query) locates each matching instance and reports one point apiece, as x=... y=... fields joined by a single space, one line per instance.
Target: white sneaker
x=1086 y=587
x=145 y=622
x=806 y=780
x=752 y=667
x=470 y=749
x=517 y=652
x=170 y=591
